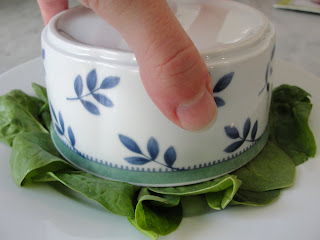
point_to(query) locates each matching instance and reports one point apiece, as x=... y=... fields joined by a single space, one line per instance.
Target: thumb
x=172 y=70
x=49 y=8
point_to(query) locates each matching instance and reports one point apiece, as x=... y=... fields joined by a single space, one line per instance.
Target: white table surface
x=298 y=34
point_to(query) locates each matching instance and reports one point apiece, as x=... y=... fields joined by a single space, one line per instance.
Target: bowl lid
x=214 y=26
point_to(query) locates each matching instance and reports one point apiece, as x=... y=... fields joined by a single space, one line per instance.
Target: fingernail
x=199 y=114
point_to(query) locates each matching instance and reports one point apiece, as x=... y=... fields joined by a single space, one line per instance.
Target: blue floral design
x=91 y=82
x=60 y=128
x=43 y=53
x=170 y=155
x=222 y=84
x=233 y=133
x=268 y=73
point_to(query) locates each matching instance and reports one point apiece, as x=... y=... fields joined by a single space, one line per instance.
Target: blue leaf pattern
x=92 y=80
x=43 y=53
x=221 y=85
x=104 y=100
x=78 y=86
x=273 y=51
x=59 y=129
x=234 y=146
x=254 y=130
x=137 y=160
x=232 y=132
x=246 y=128
x=53 y=113
x=268 y=73
x=61 y=122
x=90 y=107
x=71 y=136
x=153 y=148
x=170 y=156
x=219 y=101
x=109 y=82
x=223 y=82
x=130 y=144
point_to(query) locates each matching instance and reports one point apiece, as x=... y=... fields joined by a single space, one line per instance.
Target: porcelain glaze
x=105 y=123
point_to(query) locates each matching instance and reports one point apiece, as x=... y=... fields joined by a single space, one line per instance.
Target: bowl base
x=150 y=177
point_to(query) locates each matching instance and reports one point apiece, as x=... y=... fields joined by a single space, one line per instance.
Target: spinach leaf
x=194 y=205
x=116 y=197
x=289 y=94
x=218 y=192
x=45 y=117
x=216 y=185
x=19 y=113
x=45 y=178
x=41 y=92
x=215 y=200
x=270 y=169
x=250 y=198
x=160 y=214
x=34 y=154
x=289 y=128
x=149 y=234
x=220 y=200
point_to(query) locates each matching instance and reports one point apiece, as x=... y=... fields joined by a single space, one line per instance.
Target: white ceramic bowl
x=105 y=123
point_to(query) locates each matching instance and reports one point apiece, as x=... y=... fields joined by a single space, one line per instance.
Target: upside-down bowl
x=104 y=122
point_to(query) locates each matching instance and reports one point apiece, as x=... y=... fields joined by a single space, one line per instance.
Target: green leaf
x=43 y=178
x=214 y=200
x=255 y=198
x=289 y=94
x=41 y=92
x=216 y=185
x=149 y=234
x=34 y=154
x=220 y=200
x=219 y=192
x=19 y=113
x=160 y=214
x=45 y=117
x=116 y=197
x=271 y=169
x=289 y=128
x=194 y=205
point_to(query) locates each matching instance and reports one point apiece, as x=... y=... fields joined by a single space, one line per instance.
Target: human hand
x=171 y=68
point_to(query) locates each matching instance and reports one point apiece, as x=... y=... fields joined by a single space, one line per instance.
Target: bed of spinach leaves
x=24 y=125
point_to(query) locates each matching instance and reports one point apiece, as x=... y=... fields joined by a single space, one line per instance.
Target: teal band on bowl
x=164 y=178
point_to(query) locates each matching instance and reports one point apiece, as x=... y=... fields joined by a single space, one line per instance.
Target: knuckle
x=179 y=63
x=183 y=70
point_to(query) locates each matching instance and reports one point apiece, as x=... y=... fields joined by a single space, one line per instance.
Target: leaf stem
x=78 y=98
x=263 y=88
x=173 y=168
x=252 y=141
x=162 y=164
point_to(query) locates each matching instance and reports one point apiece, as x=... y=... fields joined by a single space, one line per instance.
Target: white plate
x=42 y=212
